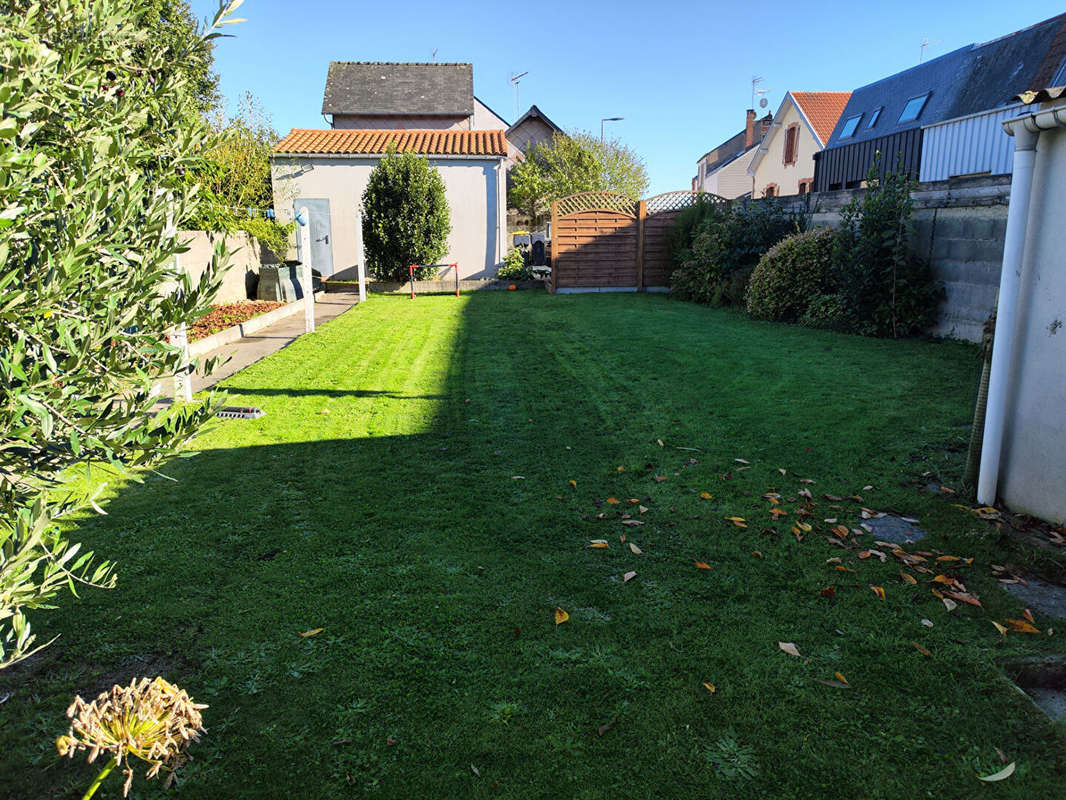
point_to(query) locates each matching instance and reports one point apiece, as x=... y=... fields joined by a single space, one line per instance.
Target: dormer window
x=914 y=108
x=876 y=115
x=850 y=126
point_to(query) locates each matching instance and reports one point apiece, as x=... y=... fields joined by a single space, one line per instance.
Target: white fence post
x=360 y=255
x=305 y=271
x=180 y=336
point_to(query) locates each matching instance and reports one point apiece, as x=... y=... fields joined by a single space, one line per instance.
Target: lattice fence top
x=587 y=201
x=675 y=201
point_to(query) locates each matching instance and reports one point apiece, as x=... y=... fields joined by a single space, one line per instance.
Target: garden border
x=246 y=328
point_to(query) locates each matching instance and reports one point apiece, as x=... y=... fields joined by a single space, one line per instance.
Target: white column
x=1010 y=277
x=360 y=256
x=180 y=336
x=305 y=272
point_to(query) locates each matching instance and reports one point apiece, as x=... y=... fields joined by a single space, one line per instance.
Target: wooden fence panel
x=657 y=263
x=594 y=249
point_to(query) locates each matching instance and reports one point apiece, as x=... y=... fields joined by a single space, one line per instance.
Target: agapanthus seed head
x=150 y=719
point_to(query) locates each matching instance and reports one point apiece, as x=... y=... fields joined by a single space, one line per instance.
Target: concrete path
x=235 y=356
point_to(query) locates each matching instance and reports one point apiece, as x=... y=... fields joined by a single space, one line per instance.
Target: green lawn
x=409 y=492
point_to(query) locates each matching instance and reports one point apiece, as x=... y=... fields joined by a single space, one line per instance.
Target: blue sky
x=679 y=72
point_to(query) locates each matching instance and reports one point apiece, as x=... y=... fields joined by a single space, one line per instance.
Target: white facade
x=730 y=181
x=1032 y=476
x=768 y=166
x=474 y=186
x=970 y=145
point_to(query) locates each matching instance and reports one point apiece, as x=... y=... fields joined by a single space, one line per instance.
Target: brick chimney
x=749 y=129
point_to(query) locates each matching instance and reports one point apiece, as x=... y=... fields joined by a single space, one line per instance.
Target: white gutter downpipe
x=1026 y=131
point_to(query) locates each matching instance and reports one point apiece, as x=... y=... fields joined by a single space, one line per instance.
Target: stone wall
x=242 y=275
x=959 y=226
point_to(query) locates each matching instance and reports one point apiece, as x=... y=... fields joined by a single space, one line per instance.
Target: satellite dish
x=762 y=102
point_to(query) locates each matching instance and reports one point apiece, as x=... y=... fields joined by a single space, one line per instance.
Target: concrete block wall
x=244 y=262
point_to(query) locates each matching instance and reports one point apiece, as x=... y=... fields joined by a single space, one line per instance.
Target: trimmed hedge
x=790 y=276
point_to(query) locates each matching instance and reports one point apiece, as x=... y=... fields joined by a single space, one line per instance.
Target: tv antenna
x=515 y=81
x=756 y=91
x=925 y=43
x=434 y=56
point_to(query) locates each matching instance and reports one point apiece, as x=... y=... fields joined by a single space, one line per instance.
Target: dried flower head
x=150 y=719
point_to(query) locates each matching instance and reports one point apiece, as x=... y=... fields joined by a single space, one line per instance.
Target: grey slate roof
x=535 y=113
x=974 y=78
x=397 y=88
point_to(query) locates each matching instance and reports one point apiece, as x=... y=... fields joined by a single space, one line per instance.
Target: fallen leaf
x=741 y=461
x=833 y=560
x=776 y=512
x=605 y=727
x=573 y=483
x=834 y=684
x=621 y=469
x=710 y=687
x=867 y=487
x=613 y=501
x=841 y=531
x=660 y=442
x=635 y=549
x=842 y=568
x=828 y=591
x=756 y=553
x=628 y=577
x=807 y=480
x=702 y=564
x=1003 y=774
x=660 y=478
x=633 y=501
x=1027 y=614
x=642 y=509
x=632 y=522
x=782 y=471
x=705 y=495
x=840 y=677
x=598 y=544
x=927 y=623
x=312 y=632
x=908 y=578
x=475 y=770
x=803 y=526
x=738 y=521
x=1021 y=626
x=949 y=604
x=948 y=558
x=921 y=649
x=879 y=591
x=561 y=616
x=965 y=597
x=518 y=477
x=945 y=579
x=789 y=648
x=1001 y=628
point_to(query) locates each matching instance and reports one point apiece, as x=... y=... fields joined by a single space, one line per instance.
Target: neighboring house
x=783 y=164
x=531 y=129
x=326 y=171
x=406 y=96
x=724 y=170
x=888 y=116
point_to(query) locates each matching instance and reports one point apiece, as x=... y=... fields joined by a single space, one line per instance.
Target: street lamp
x=608 y=119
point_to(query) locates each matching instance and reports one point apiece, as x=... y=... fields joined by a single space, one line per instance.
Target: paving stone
x=895 y=529
x=1041 y=597
x=1051 y=701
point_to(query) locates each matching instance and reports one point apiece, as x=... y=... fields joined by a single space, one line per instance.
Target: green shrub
x=725 y=239
x=272 y=235
x=827 y=311
x=790 y=276
x=405 y=217
x=887 y=290
x=514 y=267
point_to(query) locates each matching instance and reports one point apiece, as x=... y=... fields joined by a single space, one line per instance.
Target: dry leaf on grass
x=1003 y=774
x=1001 y=628
x=879 y=591
x=789 y=648
x=828 y=591
x=705 y=495
x=628 y=577
x=921 y=649
x=598 y=544
x=702 y=564
x=561 y=616
x=741 y=461
x=1021 y=626
x=949 y=604
x=908 y=578
x=312 y=632
x=632 y=522
x=710 y=687
x=613 y=501
x=1027 y=614
x=738 y=521
x=635 y=549
x=573 y=483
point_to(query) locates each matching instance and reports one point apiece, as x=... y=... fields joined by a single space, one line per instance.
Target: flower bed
x=225 y=316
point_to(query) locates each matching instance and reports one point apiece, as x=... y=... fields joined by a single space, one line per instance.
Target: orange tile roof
x=823 y=109
x=374 y=142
